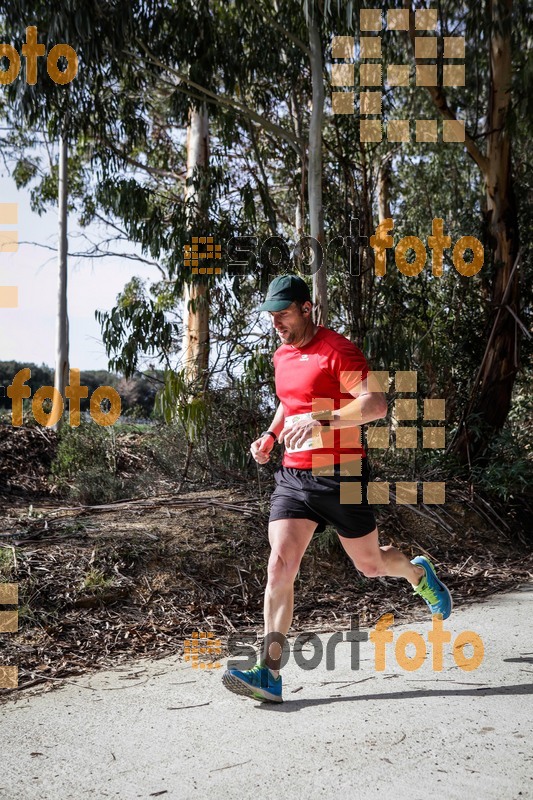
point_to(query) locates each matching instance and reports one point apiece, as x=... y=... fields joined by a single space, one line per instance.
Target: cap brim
x=275 y=305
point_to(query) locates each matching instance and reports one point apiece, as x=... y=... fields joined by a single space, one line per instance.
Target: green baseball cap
x=283 y=291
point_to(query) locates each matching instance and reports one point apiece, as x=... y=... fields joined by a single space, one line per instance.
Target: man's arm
x=260 y=449
x=366 y=407
x=276 y=425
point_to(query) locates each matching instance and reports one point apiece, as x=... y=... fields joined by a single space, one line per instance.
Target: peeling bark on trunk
x=195 y=344
x=492 y=388
x=61 y=376
x=316 y=211
x=384 y=184
x=299 y=213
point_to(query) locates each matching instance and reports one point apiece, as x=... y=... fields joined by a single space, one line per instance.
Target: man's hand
x=260 y=449
x=297 y=433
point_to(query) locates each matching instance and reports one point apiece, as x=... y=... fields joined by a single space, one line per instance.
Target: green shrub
x=85 y=466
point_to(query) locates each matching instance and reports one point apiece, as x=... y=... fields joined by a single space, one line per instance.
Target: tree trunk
x=492 y=389
x=195 y=345
x=299 y=216
x=384 y=185
x=62 y=344
x=316 y=211
x=299 y=213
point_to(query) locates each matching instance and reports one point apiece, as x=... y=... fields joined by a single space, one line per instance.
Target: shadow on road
x=296 y=705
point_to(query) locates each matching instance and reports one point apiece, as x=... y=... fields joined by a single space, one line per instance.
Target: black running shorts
x=301 y=495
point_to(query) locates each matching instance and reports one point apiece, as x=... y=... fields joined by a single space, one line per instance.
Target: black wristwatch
x=269 y=433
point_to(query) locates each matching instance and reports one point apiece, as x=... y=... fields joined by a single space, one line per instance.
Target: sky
x=27 y=333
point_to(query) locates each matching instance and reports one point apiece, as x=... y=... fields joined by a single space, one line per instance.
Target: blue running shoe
x=258 y=683
x=434 y=592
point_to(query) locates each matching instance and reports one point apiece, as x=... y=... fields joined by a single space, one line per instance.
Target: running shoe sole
x=236 y=685
x=435 y=577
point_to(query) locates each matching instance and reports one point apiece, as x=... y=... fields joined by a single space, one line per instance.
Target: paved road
x=127 y=733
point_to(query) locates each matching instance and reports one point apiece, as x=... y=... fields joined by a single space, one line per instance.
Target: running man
x=308 y=366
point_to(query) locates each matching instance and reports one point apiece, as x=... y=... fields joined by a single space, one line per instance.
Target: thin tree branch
x=98 y=254
x=276 y=25
x=262 y=121
x=438 y=96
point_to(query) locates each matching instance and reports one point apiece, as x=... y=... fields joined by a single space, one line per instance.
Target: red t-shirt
x=304 y=374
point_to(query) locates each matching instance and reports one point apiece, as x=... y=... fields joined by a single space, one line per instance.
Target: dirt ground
x=104 y=584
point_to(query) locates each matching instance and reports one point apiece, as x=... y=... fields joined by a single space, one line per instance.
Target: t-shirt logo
x=304 y=357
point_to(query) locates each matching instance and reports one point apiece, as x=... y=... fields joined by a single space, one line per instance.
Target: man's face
x=290 y=323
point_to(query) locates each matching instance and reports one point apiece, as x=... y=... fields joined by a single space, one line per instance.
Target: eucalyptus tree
x=496 y=33
x=60 y=102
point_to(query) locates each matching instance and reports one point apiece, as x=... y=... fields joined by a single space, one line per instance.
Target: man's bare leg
x=289 y=539
x=373 y=560
x=387 y=561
